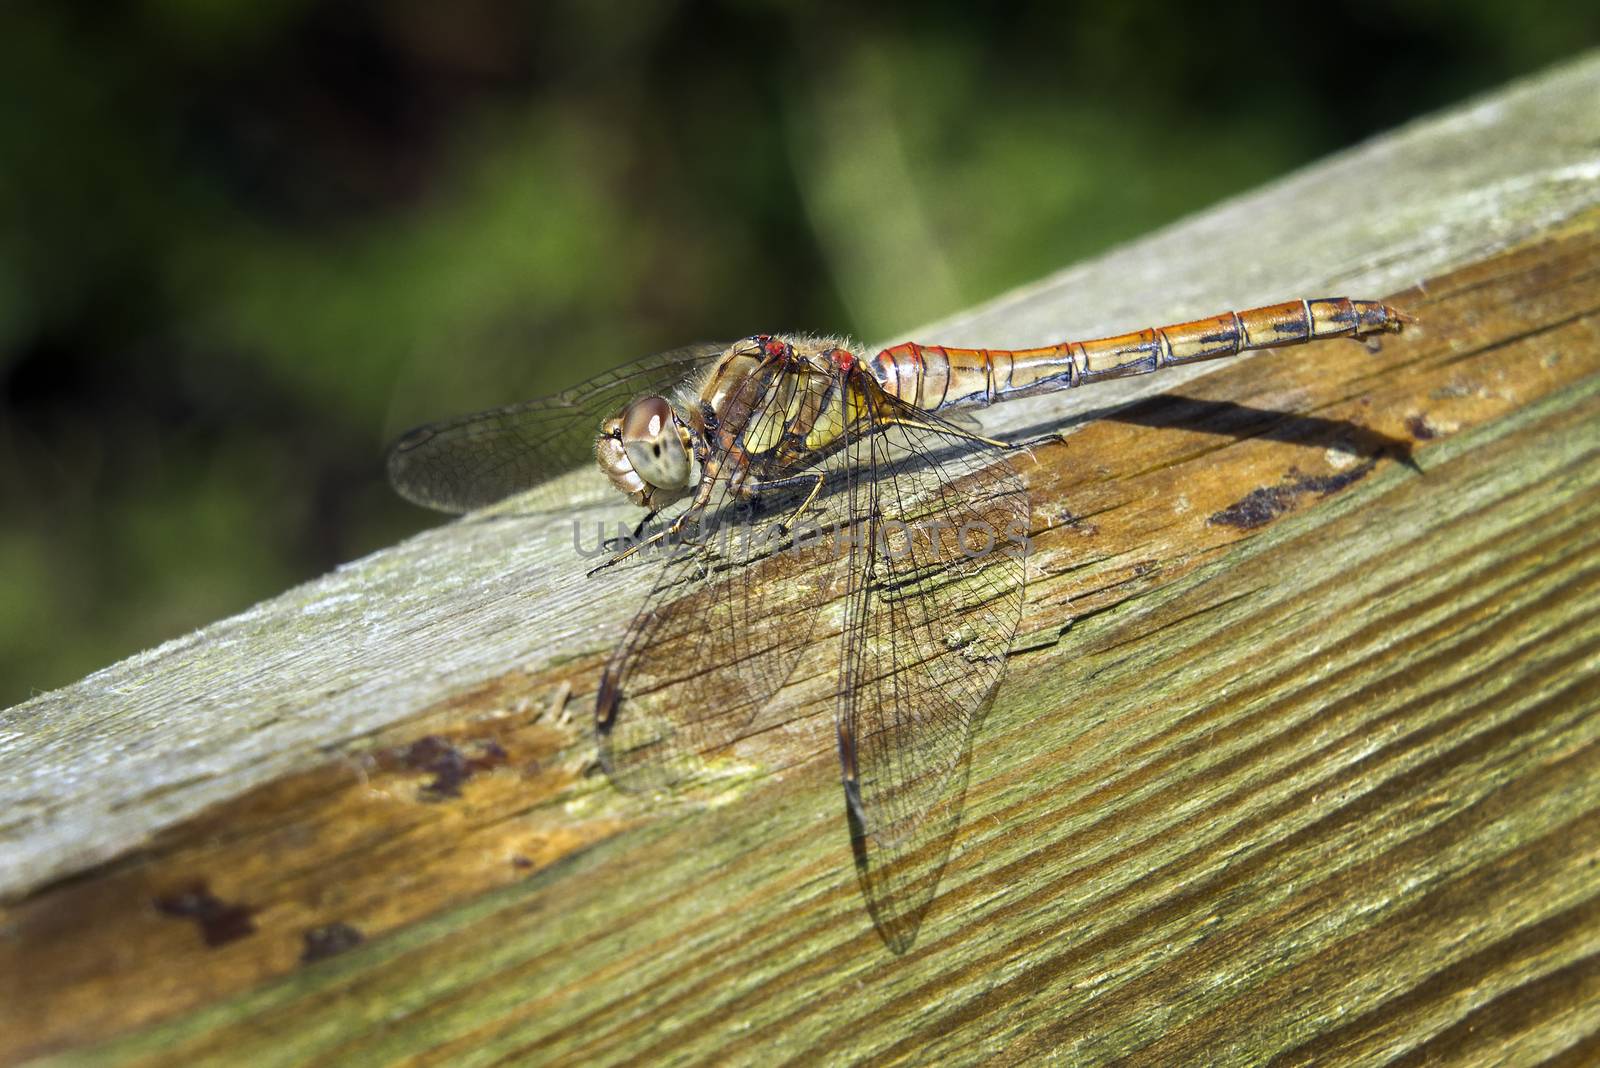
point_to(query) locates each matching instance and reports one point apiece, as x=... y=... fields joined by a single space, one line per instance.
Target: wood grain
x=1296 y=762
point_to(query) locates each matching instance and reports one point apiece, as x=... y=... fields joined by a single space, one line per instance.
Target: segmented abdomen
x=935 y=376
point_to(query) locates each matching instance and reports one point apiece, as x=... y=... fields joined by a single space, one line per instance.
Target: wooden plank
x=1298 y=756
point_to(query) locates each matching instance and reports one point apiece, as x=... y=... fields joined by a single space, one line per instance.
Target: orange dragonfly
x=791 y=473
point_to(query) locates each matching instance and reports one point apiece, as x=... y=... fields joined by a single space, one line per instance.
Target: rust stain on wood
x=329 y=940
x=302 y=868
x=219 y=921
x=1261 y=506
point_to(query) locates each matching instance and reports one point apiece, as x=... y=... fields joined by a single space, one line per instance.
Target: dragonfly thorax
x=645 y=452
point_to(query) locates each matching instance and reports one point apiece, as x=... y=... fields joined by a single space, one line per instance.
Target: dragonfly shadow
x=1242 y=422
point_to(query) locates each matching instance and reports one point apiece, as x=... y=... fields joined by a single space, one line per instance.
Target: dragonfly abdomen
x=936 y=376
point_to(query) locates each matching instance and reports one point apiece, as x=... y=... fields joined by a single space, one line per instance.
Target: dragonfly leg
x=794 y=480
x=672 y=529
x=1055 y=437
x=638 y=532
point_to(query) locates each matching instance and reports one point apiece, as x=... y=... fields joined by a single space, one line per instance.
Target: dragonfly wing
x=935 y=596
x=730 y=613
x=474 y=460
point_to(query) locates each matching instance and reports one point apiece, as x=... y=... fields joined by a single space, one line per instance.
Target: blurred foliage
x=242 y=244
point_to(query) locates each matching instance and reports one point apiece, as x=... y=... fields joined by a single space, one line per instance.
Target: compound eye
x=654 y=446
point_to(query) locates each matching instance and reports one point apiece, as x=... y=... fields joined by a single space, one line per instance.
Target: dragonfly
x=803 y=492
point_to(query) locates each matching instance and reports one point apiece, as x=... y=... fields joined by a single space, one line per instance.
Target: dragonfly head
x=645 y=452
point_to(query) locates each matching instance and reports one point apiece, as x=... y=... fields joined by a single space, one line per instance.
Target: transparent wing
x=935 y=592
x=732 y=610
x=935 y=595
x=473 y=460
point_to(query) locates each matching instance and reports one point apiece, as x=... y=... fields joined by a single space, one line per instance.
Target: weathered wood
x=1298 y=758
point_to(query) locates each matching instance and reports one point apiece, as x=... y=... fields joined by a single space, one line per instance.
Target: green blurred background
x=244 y=242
